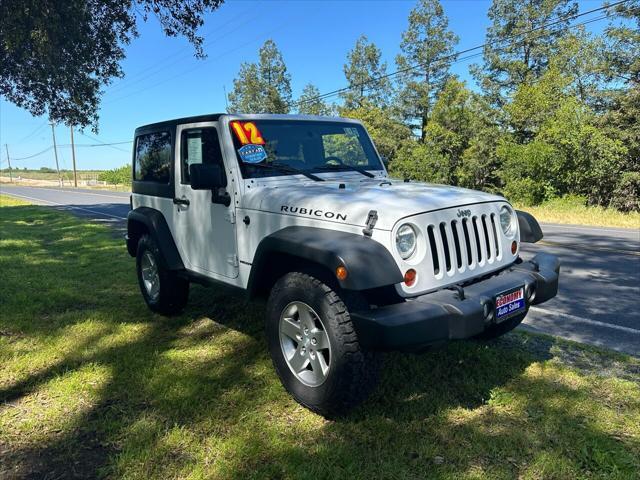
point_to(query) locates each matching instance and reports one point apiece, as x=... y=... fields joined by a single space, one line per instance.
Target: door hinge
x=232 y=260
x=230 y=216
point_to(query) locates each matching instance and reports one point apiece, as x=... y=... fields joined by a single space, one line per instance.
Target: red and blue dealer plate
x=509 y=304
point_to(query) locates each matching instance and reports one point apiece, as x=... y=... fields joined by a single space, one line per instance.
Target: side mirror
x=385 y=161
x=205 y=176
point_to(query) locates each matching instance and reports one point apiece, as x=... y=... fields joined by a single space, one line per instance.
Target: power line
x=458 y=60
x=160 y=66
x=101 y=144
x=68 y=145
x=106 y=144
x=468 y=50
x=48 y=149
x=36 y=130
x=184 y=72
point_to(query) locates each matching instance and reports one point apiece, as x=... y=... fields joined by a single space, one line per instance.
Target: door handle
x=181 y=201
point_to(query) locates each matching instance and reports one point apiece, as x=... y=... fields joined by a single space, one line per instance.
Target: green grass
x=46 y=175
x=572 y=210
x=94 y=385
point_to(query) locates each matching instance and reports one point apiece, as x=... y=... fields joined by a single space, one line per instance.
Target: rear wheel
x=163 y=291
x=314 y=347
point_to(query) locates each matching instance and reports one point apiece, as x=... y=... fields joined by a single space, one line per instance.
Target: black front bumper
x=449 y=314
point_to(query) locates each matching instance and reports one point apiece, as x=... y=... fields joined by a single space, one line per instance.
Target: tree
x=388 y=132
x=519 y=45
x=579 y=57
x=309 y=102
x=557 y=147
x=57 y=55
x=623 y=44
x=463 y=130
x=364 y=73
x=459 y=143
x=264 y=87
x=428 y=45
x=275 y=78
x=622 y=120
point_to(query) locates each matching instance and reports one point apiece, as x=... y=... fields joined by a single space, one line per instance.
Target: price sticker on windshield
x=247 y=133
x=252 y=153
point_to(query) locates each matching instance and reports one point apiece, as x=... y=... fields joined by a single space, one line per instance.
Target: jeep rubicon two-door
x=300 y=209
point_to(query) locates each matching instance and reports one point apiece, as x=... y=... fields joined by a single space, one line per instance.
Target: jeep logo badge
x=464 y=213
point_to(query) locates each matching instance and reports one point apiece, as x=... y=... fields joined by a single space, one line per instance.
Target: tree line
x=556 y=111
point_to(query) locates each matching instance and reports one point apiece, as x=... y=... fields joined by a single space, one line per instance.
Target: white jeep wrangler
x=300 y=209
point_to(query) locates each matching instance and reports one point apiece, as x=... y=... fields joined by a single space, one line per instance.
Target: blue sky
x=163 y=80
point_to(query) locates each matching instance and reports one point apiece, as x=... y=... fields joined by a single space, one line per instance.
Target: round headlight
x=508 y=221
x=406 y=241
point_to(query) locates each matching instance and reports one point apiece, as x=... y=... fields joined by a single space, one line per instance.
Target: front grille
x=465 y=244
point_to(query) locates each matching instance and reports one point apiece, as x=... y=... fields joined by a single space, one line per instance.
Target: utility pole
x=55 y=152
x=9 y=162
x=73 y=156
x=226 y=98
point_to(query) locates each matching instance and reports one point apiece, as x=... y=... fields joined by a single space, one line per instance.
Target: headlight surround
x=508 y=221
x=406 y=241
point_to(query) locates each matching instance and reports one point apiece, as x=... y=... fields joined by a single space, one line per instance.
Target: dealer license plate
x=509 y=304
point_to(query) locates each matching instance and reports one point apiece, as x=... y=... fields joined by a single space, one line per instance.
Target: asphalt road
x=599 y=298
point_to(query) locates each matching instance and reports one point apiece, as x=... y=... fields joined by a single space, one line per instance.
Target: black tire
x=502 y=328
x=173 y=293
x=353 y=373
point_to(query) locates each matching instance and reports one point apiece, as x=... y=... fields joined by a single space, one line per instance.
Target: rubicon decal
x=314 y=212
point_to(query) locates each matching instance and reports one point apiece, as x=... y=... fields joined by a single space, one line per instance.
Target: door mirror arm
x=224 y=199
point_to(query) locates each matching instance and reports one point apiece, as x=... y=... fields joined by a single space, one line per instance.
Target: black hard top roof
x=211 y=117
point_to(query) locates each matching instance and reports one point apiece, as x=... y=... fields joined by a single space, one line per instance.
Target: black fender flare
x=157 y=227
x=530 y=231
x=369 y=264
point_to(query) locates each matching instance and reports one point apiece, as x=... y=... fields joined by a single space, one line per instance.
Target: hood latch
x=372 y=218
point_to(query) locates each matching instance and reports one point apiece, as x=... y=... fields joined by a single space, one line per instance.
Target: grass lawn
x=94 y=385
x=47 y=175
x=572 y=210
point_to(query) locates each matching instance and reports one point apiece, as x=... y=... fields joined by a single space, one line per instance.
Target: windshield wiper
x=345 y=167
x=287 y=168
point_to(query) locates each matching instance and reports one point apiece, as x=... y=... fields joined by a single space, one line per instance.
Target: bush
x=417 y=161
x=525 y=191
x=530 y=173
x=116 y=176
x=626 y=196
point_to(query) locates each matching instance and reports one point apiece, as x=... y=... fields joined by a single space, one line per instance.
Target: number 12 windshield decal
x=247 y=133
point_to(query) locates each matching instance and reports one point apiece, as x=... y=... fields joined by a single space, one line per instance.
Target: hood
x=350 y=201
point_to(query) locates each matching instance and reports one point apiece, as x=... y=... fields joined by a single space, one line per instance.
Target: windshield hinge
x=232 y=259
x=230 y=216
x=372 y=218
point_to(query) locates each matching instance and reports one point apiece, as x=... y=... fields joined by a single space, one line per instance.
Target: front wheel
x=314 y=347
x=163 y=291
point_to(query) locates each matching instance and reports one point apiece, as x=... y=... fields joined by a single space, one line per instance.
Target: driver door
x=204 y=230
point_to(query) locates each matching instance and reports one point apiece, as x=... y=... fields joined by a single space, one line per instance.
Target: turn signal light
x=341 y=272
x=410 y=277
x=514 y=247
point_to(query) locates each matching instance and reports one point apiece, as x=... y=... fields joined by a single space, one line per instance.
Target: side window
x=153 y=158
x=199 y=145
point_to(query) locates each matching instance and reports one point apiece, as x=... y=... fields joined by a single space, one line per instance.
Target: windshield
x=306 y=146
